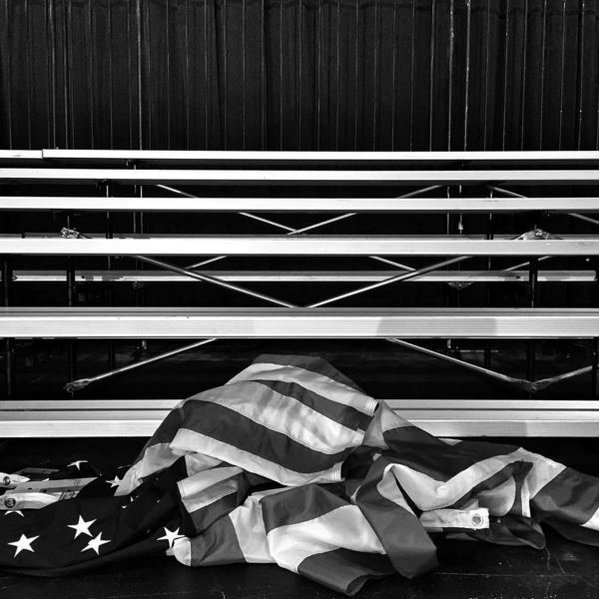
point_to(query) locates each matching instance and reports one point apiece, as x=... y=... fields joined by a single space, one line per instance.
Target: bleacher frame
x=490 y=171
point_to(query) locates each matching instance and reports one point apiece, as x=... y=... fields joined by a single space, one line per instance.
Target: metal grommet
x=477 y=520
x=6 y=481
x=10 y=502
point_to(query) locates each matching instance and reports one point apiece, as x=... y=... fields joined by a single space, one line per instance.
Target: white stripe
x=447 y=518
x=385 y=419
x=500 y=499
x=313 y=381
x=542 y=472
x=206 y=487
x=593 y=522
x=430 y=494
x=182 y=551
x=155 y=458
x=285 y=415
x=198 y=462
x=343 y=527
x=247 y=521
x=158 y=457
x=194 y=441
x=388 y=487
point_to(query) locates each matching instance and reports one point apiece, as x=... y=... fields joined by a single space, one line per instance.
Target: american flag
x=291 y=463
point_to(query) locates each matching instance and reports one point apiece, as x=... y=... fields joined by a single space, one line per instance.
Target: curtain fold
x=299 y=74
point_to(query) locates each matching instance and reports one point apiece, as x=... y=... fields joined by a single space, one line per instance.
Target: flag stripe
x=344 y=570
x=297 y=505
x=344 y=526
x=571 y=496
x=321 y=385
x=344 y=415
x=313 y=364
x=237 y=430
x=284 y=414
x=252 y=462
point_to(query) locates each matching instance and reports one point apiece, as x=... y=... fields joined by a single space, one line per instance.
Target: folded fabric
x=291 y=463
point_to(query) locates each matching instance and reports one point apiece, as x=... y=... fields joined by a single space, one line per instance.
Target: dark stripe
x=228 y=426
x=574 y=532
x=298 y=505
x=344 y=570
x=406 y=543
x=312 y=363
x=218 y=545
x=570 y=496
x=421 y=451
x=511 y=530
x=346 y=415
x=207 y=515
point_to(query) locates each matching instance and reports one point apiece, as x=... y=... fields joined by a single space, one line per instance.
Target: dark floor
x=467 y=569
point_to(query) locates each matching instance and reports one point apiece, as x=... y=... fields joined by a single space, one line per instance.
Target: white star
x=23 y=544
x=115 y=482
x=170 y=536
x=82 y=527
x=95 y=544
x=77 y=464
x=6 y=512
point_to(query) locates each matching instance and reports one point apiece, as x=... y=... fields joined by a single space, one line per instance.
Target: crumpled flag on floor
x=291 y=463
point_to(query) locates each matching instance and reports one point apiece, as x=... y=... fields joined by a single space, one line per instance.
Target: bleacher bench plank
x=460 y=418
x=301 y=177
x=370 y=205
x=322 y=323
x=281 y=245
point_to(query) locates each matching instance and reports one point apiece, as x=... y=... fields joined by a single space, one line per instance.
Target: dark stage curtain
x=299 y=74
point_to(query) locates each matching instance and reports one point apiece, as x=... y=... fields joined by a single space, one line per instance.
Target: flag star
x=23 y=544
x=82 y=527
x=6 y=512
x=170 y=536
x=77 y=464
x=115 y=482
x=95 y=544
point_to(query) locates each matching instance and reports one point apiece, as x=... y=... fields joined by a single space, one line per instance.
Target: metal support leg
x=71 y=301
x=487 y=347
x=533 y=291
x=9 y=344
x=109 y=286
x=595 y=367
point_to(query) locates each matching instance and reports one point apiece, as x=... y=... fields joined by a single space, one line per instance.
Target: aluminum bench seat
x=445 y=418
x=313 y=245
x=300 y=177
x=304 y=276
x=298 y=323
x=310 y=205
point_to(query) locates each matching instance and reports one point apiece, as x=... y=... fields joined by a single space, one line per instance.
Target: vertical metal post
x=9 y=345
x=595 y=367
x=71 y=301
x=109 y=286
x=487 y=348
x=533 y=292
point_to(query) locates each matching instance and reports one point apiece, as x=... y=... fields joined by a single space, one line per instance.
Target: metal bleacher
x=428 y=183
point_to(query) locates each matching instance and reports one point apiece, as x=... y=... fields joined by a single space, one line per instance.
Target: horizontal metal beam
x=298 y=323
x=253 y=245
x=31 y=405
x=370 y=205
x=450 y=418
x=301 y=177
x=517 y=157
x=304 y=276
